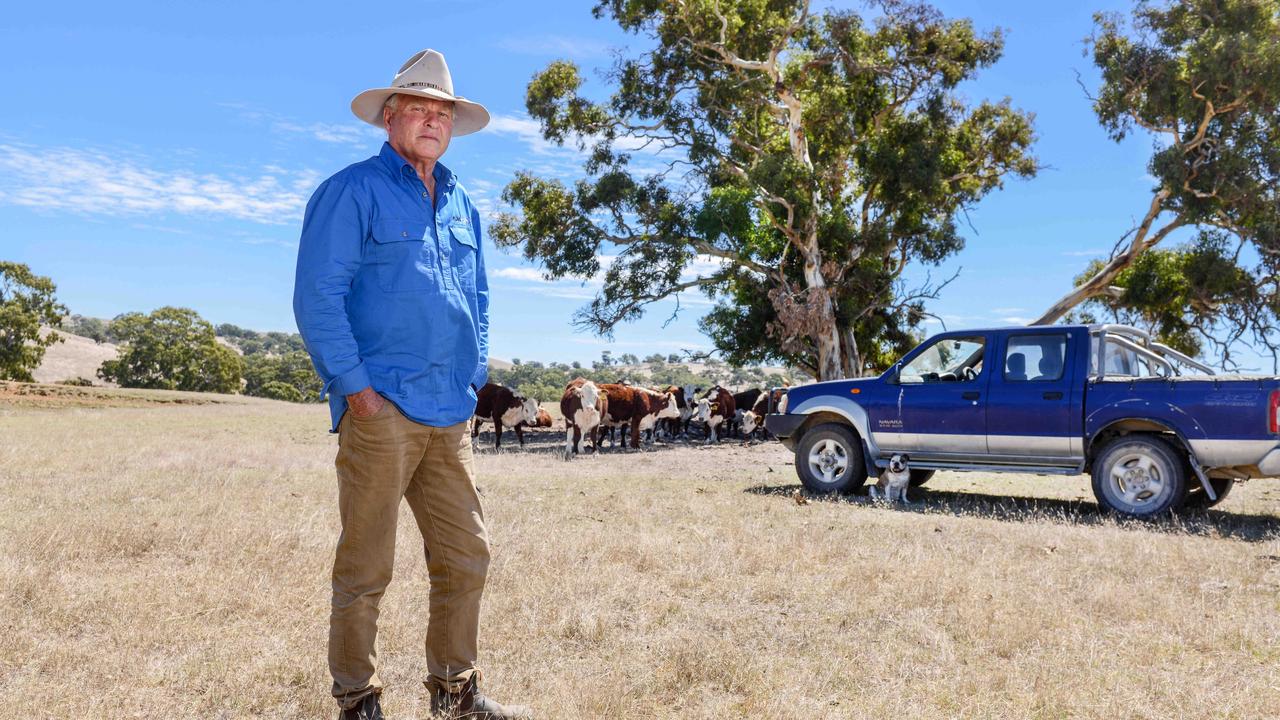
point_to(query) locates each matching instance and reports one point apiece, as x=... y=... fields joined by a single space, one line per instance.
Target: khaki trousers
x=381 y=459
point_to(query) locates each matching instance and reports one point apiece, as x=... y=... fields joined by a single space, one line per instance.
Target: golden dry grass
x=172 y=561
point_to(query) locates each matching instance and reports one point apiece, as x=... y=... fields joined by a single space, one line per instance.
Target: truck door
x=941 y=398
x=1030 y=401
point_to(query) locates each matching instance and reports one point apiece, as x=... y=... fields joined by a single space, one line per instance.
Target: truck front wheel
x=829 y=459
x=1139 y=476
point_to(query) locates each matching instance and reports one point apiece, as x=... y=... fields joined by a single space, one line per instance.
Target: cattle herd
x=598 y=410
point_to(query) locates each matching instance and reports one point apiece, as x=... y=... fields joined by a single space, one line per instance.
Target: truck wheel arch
x=826 y=415
x=1130 y=426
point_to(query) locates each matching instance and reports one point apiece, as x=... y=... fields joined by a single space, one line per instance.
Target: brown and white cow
x=582 y=406
x=673 y=427
x=753 y=419
x=505 y=408
x=637 y=408
x=714 y=408
x=544 y=419
x=742 y=402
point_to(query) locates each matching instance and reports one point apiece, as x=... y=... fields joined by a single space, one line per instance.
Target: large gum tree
x=1202 y=79
x=789 y=163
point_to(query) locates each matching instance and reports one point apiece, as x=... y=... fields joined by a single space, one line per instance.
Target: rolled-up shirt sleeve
x=329 y=254
x=482 y=302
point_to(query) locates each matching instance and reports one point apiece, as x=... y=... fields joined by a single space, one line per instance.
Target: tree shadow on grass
x=1209 y=523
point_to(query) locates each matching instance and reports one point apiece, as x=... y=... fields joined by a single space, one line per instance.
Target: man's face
x=419 y=128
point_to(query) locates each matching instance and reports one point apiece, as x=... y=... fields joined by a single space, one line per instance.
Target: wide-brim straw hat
x=425 y=75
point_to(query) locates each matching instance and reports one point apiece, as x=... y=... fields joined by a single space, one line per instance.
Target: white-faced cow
x=505 y=408
x=637 y=408
x=544 y=419
x=742 y=403
x=582 y=406
x=714 y=408
x=753 y=419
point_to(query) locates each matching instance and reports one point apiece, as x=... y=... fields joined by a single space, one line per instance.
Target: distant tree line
x=546 y=382
x=175 y=349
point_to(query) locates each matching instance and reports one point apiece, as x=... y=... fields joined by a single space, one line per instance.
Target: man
x=393 y=304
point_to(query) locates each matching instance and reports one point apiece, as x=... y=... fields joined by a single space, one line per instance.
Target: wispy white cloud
x=347 y=133
x=95 y=182
x=526 y=130
x=557 y=45
x=519 y=273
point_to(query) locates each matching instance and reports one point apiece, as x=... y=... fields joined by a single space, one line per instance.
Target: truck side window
x=1035 y=358
x=946 y=360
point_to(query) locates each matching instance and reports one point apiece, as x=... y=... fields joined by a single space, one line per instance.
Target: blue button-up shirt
x=391 y=290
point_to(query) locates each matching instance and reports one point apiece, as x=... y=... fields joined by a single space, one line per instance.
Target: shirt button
x=404 y=234
x=424 y=194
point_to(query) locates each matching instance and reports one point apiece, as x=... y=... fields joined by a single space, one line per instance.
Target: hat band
x=433 y=86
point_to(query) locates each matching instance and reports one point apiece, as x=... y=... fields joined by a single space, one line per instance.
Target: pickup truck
x=1157 y=430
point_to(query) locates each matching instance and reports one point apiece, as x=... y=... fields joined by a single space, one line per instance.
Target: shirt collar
x=400 y=166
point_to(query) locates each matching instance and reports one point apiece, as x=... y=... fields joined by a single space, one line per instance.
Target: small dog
x=894 y=481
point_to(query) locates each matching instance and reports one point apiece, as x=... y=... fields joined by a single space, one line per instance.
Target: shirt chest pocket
x=464 y=254
x=403 y=261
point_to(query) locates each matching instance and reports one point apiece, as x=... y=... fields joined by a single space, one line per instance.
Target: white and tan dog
x=894 y=481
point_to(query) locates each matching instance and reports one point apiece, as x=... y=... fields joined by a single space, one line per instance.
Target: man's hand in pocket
x=365 y=403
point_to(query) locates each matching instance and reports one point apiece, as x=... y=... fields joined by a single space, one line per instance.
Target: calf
x=753 y=419
x=506 y=409
x=637 y=407
x=742 y=402
x=544 y=419
x=582 y=406
x=714 y=408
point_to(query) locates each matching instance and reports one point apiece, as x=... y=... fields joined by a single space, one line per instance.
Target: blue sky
x=161 y=153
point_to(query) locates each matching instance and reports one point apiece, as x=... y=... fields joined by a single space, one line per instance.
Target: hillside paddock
x=161 y=558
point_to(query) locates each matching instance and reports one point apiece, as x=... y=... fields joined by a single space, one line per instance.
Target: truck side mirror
x=895 y=373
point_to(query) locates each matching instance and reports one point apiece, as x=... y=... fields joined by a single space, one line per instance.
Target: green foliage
x=1180 y=293
x=811 y=155
x=96 y=329
x=171 y=349
x=27 y=302
x=269 y=375
x=1203 y=78
x=253 y=342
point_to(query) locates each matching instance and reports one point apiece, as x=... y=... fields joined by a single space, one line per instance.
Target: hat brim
x=468 y=117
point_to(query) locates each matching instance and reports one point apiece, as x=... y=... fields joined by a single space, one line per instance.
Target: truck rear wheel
x=829 y=459
x=1139 y=476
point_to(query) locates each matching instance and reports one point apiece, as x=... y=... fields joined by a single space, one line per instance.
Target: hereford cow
x=742 y=402
x=582 y=406
x=753 y=419
x=637 y=408
x=506 y=409
x=714 y=408
x=544 y=419
x=674 y=427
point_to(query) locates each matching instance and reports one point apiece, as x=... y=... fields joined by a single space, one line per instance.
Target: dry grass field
x=161 y=558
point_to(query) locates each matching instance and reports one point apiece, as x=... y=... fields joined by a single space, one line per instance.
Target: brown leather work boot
x=367 y=709
x=468 y=703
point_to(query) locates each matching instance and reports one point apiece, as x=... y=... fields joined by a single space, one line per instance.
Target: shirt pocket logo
x=404 y=262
